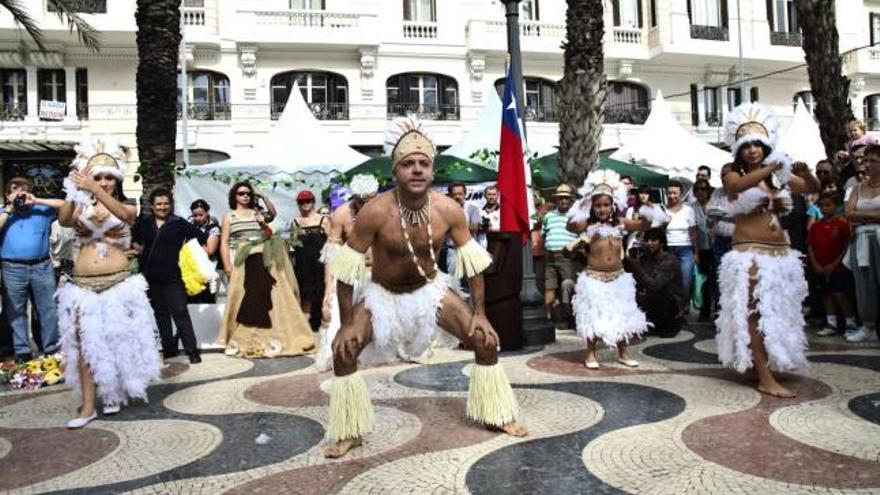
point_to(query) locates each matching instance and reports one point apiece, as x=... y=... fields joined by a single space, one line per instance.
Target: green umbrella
x=544 y=172
x=447 y=169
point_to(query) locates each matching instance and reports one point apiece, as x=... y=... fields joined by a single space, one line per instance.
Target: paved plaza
x=678 y=424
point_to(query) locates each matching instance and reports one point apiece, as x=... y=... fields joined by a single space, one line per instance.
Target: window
x=307 y=4
x=734 y=98
x=872 y=112
x=528 y=10
x=711 y=97
x=540 y=99
x=874 y=27
x=326 y=93
x=627 y=13
x=754 y=94
x=84 y=6
x=14 y=83
x=82 y=94
x=431 y=96
x=784 y=26
x=50 y=85
x=653 y=13
x=419 y=11
x=626 y=103
x=208 y=94
x=807 y=96
x=708 y=19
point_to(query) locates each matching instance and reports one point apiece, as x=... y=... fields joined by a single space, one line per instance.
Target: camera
x=19 y=201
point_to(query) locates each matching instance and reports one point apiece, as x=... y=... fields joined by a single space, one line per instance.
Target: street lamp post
x=536 y=329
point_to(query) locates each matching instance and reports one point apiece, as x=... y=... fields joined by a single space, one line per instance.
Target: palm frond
x=21 y=17
x=67 y=12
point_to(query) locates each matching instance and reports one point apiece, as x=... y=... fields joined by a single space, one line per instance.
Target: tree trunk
x=824 y=65
x=581 y=92
x=158 y=42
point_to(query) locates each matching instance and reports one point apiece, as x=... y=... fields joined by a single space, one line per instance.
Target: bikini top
x=98 y=231
x=604 y=230
x=756 y=199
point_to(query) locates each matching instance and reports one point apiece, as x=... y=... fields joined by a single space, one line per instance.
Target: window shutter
x=639 y=9
x=770 y=15
x=695 y=106
x=407 y=12
x=872 y=21
x=753 y=94
x=724 y=19
x=690 y=12
x=615 y=7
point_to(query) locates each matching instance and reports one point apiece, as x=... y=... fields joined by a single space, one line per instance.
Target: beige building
x=360 y=62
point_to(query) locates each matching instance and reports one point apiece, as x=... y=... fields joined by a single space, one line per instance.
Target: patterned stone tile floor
x=677 y=424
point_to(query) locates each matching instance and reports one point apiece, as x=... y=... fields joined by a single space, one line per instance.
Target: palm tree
x=581 y=92
x=829 y=86
x=158 y=43
x=66 y=11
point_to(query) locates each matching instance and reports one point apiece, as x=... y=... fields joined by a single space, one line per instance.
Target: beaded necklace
x=415 y=217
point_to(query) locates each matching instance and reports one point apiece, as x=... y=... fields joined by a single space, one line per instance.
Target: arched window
x=807 y=96
x=540 y=101
x=626 y=103
x=431 y=96
x=207 y=95
x=326 y=93
x=872 y=112
x=201 y=157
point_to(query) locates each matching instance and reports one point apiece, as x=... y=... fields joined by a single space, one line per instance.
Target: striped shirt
x=556 y=237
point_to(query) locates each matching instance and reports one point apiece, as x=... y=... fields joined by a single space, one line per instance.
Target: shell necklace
x=415 y=217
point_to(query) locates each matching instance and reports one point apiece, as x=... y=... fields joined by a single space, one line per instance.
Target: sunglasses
x=243 y=193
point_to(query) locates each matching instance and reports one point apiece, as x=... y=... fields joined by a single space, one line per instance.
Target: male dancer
x=407 y=302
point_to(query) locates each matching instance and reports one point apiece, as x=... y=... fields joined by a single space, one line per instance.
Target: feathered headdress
x=748 y=123
x=599 y=182
x=405 y=136
x=363 y=185
x=95 y=155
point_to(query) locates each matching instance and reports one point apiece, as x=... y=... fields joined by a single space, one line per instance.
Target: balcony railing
x=207 y=111
x=84 y=6
x=713 y=119
x=307 y=18
x=321 y=111
x=544 y=113
x=712 y=33
x=12 y=111
x=786 y=39
x=194 y=16
x=426 y=112
x=627 y=35
x=623 y=114
x=82 y=111
x=419 y=30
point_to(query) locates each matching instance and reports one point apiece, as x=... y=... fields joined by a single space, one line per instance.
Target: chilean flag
x=512 y=176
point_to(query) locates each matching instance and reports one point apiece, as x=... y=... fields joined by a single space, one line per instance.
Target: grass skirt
x=779 y=290
x=607 y=310
x=116 y=333
x=404 y=325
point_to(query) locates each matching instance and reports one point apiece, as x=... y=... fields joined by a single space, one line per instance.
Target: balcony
x=786 y=39
x=321 y=111
x=864 y=61
x=425 y=112
x=544 y=113
x=711 y=33
x=627 y=115
x=12 y=112
x=419 y=30
x=628 y=36
x=306 y=27
x=535 y=36
x=194 y=16
x=207 y=111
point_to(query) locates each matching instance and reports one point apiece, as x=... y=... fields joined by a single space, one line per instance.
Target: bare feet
x=772 y=387
x=513 y=429
x=341 y=447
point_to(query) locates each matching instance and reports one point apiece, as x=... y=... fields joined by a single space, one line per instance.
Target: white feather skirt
x=779 y=292
x=607 y=311
x=404 y=325
x=115 y=332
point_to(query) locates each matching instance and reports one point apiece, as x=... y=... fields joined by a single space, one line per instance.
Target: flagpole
x=537 y=330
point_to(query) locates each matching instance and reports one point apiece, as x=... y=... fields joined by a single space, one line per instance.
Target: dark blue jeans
x=19 y=279
x=685 y=255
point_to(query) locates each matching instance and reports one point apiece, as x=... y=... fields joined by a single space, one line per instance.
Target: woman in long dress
x=311 y=229
x=263 y=316
x=106 y=321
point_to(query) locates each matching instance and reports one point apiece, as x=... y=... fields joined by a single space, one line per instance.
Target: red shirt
x=829 y=239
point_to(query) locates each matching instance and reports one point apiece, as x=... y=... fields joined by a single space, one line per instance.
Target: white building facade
x=358 y=63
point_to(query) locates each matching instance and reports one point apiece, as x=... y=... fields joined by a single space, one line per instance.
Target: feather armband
x=348 y=265
x=471 y=259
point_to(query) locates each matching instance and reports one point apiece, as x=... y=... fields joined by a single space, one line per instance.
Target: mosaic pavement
x=678 y=424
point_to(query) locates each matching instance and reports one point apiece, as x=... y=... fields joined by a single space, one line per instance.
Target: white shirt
x=678 y=228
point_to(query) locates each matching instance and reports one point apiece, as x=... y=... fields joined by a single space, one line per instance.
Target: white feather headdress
x=599 y=182
x=363 y=185
x=748 y=123
x=95 y=155
x=407 y=135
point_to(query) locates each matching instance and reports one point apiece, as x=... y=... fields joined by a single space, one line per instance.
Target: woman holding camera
x=262 y=317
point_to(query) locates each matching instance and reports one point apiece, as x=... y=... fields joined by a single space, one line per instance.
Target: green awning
x=544 y=172
x=447 y=169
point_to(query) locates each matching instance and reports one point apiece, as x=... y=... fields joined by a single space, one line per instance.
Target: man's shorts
x=560 y=266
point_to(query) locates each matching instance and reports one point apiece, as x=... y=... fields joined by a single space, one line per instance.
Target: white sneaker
x=863 y=334
x=111 y=410
x=76 y=423
x=827 y=331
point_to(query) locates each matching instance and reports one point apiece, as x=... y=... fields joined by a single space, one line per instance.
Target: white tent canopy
x=664 y=146
x=802 y=140
x=297 y=154
x=485 y=134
